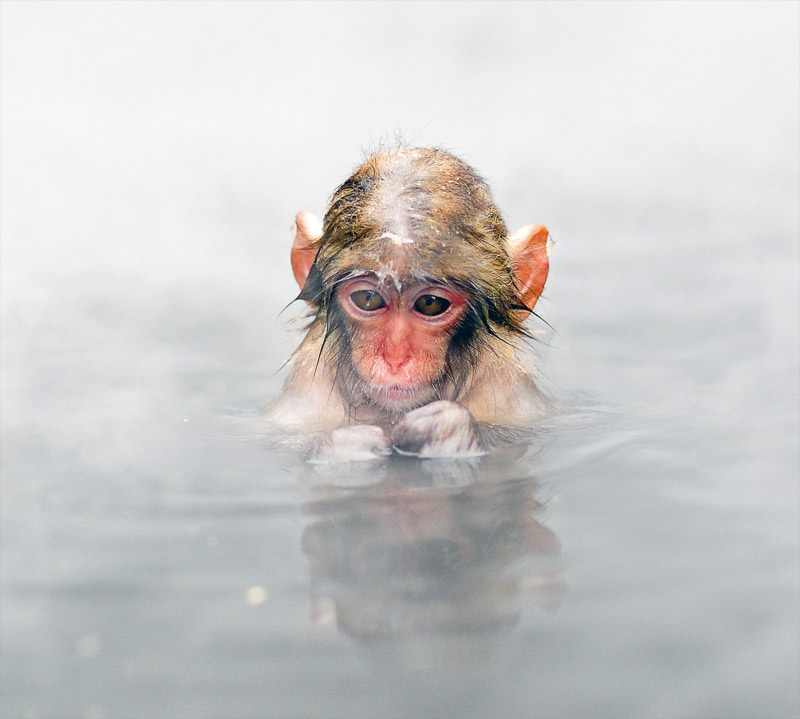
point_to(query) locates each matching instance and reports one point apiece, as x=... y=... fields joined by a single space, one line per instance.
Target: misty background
x=153 y=157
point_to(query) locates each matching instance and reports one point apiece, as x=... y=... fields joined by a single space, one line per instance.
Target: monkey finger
x=358 y=443
x=439 y=429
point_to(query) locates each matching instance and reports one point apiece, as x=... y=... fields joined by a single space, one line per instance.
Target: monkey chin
x=397 y=399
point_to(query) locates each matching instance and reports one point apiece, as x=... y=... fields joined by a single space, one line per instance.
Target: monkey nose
x=396 y=356
x=395 y=362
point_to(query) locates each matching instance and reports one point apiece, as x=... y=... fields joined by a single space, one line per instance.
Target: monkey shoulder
x=308 y=403
x=506 y=395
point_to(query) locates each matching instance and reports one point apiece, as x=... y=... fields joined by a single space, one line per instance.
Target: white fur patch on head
x=397 y=239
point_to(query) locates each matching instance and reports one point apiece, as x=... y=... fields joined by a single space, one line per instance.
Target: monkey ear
x=307 y=229
x=529 y=250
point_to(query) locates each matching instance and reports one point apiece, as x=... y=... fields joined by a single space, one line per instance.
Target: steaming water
x=639 y=560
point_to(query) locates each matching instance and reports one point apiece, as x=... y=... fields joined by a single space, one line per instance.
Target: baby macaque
x=417 y=297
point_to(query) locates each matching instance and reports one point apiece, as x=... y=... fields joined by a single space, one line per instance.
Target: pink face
x=400 y=343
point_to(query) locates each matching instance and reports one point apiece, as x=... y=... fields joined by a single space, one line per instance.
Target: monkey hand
x=439 y=429
x=357 y=443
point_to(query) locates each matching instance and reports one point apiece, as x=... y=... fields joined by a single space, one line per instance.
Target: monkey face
x=400 y=338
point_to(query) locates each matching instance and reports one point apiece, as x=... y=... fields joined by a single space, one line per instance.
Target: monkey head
x=412 y=279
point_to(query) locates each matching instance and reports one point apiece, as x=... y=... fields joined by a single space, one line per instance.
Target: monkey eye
x=431 y=305
x=367 y=300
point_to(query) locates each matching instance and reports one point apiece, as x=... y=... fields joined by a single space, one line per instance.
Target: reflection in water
x=428 y=563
